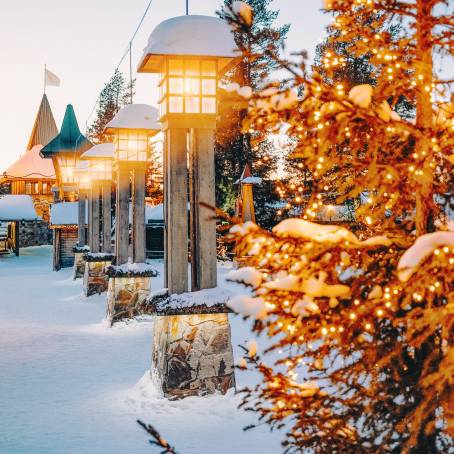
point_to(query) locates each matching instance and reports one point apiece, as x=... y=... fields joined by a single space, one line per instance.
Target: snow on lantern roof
x=202 y=36
x=17 y=208
x=247 y=177
x=65 y=213
x=31 y=166
x=103 y=150
x=135 y=116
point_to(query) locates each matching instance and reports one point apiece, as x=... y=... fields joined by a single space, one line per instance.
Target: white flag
x=51 y=79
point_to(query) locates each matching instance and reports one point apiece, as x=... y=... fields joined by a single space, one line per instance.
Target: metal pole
x=187 y=7
x=130 y=69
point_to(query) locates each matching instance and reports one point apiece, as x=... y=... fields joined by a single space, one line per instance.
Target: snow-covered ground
x=71 y=384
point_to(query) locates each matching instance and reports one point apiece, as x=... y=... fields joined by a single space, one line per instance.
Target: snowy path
x=70 y=384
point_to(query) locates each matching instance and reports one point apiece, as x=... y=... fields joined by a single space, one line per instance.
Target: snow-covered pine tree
x=361 y=326
x=115 y=94
x=233 y=146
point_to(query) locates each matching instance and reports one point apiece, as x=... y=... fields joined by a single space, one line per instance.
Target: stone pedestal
x=125 y=295
x=95 y=277
x=79 y=265
x=192 y=355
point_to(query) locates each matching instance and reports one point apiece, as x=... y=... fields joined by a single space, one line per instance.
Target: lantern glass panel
x=132 y=145
x=101 y=169
x=176 y=104
x=188 y=86
x=209 y=87
x=208 y=105
x=176 y=86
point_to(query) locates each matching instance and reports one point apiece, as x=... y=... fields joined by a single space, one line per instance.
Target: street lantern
x=82 y=175
x=99 y=160
x=66 y=165
x=65 y=150
x=131 y=130
x=189 y=54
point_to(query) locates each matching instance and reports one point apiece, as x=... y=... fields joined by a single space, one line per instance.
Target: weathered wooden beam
x=247 y=198
x=93 y=224
x=138 y=214
x=176 y=209
x=106 y=217
x=122 y=214
x=81 y=217
x=203 y=215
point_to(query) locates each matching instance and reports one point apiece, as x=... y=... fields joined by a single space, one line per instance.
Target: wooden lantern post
x=247 y=181
x=100 y=159
x=65 y=150
x=189 y=53
x=82 y=177
x=131 y=130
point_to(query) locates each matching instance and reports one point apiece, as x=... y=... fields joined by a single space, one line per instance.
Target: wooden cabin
x=64 y=219
x=16 y=211
x=31 y=174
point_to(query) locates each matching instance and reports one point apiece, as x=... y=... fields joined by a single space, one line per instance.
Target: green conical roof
x=69 y=140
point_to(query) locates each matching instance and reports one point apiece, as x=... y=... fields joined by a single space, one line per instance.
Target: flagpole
x=44 y=78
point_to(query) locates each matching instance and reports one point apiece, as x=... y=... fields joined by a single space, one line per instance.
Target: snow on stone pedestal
x=95 y=277
x=129 y=287
x=192 y=355
x=79 y=261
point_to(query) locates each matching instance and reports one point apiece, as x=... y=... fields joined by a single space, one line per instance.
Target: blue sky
x=82 y=41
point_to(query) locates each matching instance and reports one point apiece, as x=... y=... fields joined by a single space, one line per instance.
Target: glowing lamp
x=99 y=159
x=82 y=175
x=131 y=130
x=189 y=53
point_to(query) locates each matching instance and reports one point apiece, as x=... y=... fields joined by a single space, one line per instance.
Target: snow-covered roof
x=196 y=35
x=17 y=208
x=32 y=166
x=65 y=213
x=103 y=150
x=154 y=213
x=136 y=116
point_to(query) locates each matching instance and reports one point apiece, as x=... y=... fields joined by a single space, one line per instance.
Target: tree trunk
x=424 y=116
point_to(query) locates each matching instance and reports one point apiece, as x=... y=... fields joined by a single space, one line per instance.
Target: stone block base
x=192 y=355
x=126 y=295
x=79 y=265
x=95 y=279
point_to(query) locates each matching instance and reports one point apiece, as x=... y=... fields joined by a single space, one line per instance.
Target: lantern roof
x=69 y=140
x=135 y=116
x=100 y=151
x=44 y=128
x=247 y=177
x=192 y=35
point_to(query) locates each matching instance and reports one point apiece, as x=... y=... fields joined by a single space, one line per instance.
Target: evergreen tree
x=115 y=94
x=360 y=326
x=233 y=146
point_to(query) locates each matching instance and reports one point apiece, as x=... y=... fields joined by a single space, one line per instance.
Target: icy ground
x=70 y=384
